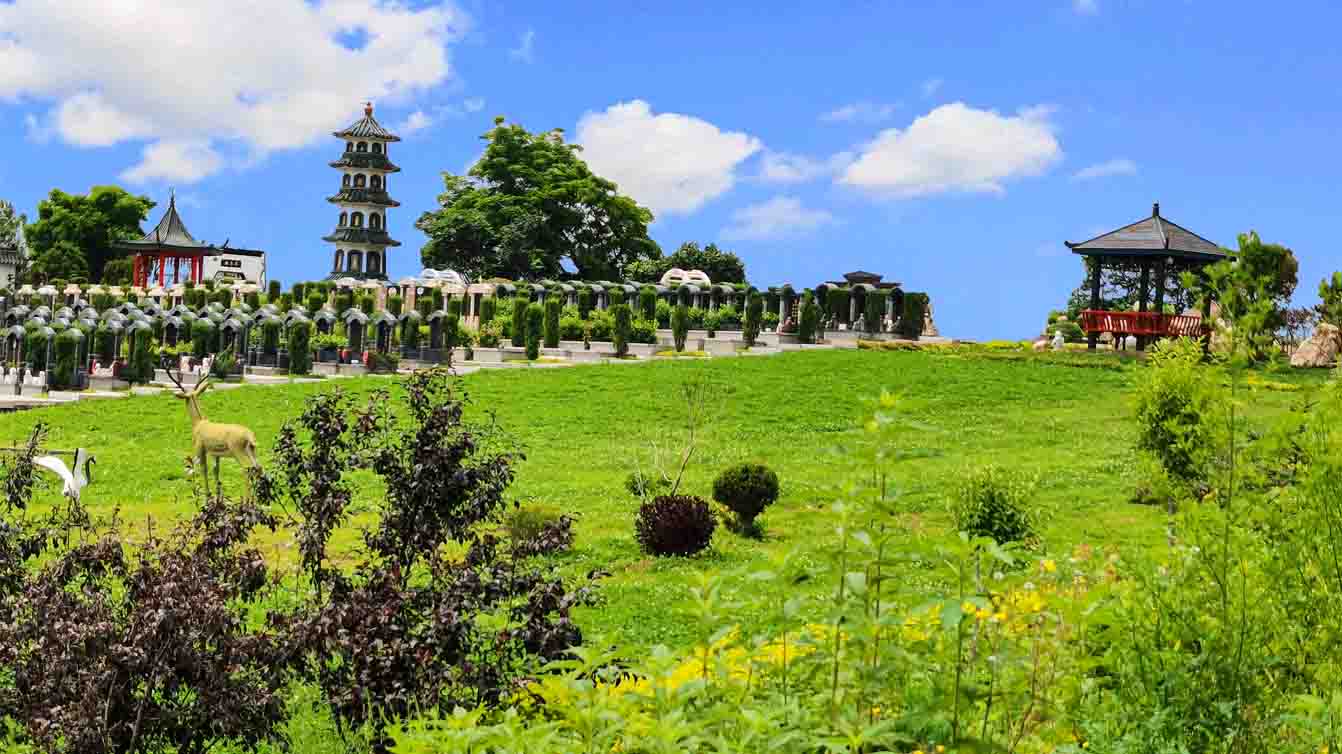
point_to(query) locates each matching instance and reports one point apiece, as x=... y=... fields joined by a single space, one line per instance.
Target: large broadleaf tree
x=73 y=234
x=530 y=208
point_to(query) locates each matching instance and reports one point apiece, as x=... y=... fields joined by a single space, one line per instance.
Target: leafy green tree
x=530 y=205
x=61 y=260
x=720 y=266
x=10 y=220
x=89 y=224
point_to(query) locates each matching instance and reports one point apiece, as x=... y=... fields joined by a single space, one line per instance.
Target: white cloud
x=861 y=112
x=526 y=49
x=264 y=74
x=786 y=167
x=670 y=162
x=932 y=86
x=956 y=148
x=1120 y=166
x=414 y=123
x=474 y=104
x=180 y=161
x=1086 y=7
x=778 y=218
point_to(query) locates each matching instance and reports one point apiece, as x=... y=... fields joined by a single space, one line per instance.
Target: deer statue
x=214 y=440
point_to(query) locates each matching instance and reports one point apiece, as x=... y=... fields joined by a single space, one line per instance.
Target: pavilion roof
x=367 y=127
x=1150 y=236
x=170 y=232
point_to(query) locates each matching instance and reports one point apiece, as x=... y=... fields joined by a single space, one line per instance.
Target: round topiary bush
x=746 y=489
x=994 y=501
x=674 y=525
x=642 y=485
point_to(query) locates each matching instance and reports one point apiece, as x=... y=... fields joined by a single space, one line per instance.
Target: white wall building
x=236 y=265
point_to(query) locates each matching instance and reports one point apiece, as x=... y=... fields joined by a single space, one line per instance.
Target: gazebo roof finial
x=1155 y=209
x=368 y=109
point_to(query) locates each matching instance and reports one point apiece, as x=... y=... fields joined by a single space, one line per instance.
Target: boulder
x=1319 y=351
x=1040 y=345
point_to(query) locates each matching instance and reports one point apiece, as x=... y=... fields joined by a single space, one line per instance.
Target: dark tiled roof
x=1150 y=236
x=364 y=196
x=170 y=232
x=365 y=161
x=361 y=235
x=367 y=127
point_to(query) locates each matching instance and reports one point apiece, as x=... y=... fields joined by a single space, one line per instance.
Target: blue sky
x=952 y=146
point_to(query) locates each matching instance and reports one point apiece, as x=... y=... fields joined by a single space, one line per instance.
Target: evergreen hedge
x=67 y=359
x=519 y=329
x=552 y=308
x=750 y=326
x=911 y=321
x=623 y=324
x=809 y=318
x=300 y=348
x=875 y=311
x=534 y=324
x=647 y=303
x=680 y=326
x=584 y=302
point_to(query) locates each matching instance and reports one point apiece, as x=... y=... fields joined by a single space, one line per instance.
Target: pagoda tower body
x=361 y=239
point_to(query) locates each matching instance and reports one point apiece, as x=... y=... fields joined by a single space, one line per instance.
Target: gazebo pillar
x=1160 y=288
x=1143 y=295
x=1093 y=338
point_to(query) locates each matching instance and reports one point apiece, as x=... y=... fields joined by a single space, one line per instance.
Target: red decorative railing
x=1143 y=323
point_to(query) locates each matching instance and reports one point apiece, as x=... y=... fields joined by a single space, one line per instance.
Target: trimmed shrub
x=584 y=302
x=837 y=303
x=202 y=338
x=535 y=323
x=436 y=300
x=410 y=333
x=451 y=330
x=104 y=343
x=674 y=525
x=623 y=319
x=662 y=314
x=223 y=296
x=300 y=348
x=552 y=309
x=994 y=501
x=67 y=359
x=809 y=319
x=252 y=299
x=286 y=302
x=299 y=291
x=454 y=307
x=875 y=311
x=750 y=326
x=712 y=321
x=746 y=489
x=911 y=319
x=518 y=331
x=729 y=318
x=316 y=301
x=141 y=359
x=680 y=326
x=488 y=308
x=424 y=305
x=647 y=303
x=643 y=331
x=270 y=337
x=616 y=296
x=395 y=304
x=1174 y=398
x=367 y=304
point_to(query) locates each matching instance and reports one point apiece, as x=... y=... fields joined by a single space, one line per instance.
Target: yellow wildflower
x=967 y=607
x=1049 y=565
x=941 y=749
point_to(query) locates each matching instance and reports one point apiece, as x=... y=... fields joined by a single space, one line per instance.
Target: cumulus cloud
x=786 y=167
x=189 y=75
x=179 y=161
x=669 y=162
x=414 y=123
x=525 y=50
x=1106 y=169
x=860 y=112
x=956 y=148
x=776 y=219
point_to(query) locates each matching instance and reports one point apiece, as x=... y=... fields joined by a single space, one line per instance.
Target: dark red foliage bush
x=675 y=525
x=114 y=654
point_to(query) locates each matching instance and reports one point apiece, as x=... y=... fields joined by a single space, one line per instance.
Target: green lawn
x=583 y=427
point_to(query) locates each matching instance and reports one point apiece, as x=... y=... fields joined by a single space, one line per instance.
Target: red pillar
x=162 y=269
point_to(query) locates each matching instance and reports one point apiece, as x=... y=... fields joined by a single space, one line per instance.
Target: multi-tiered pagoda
x=361 y=237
